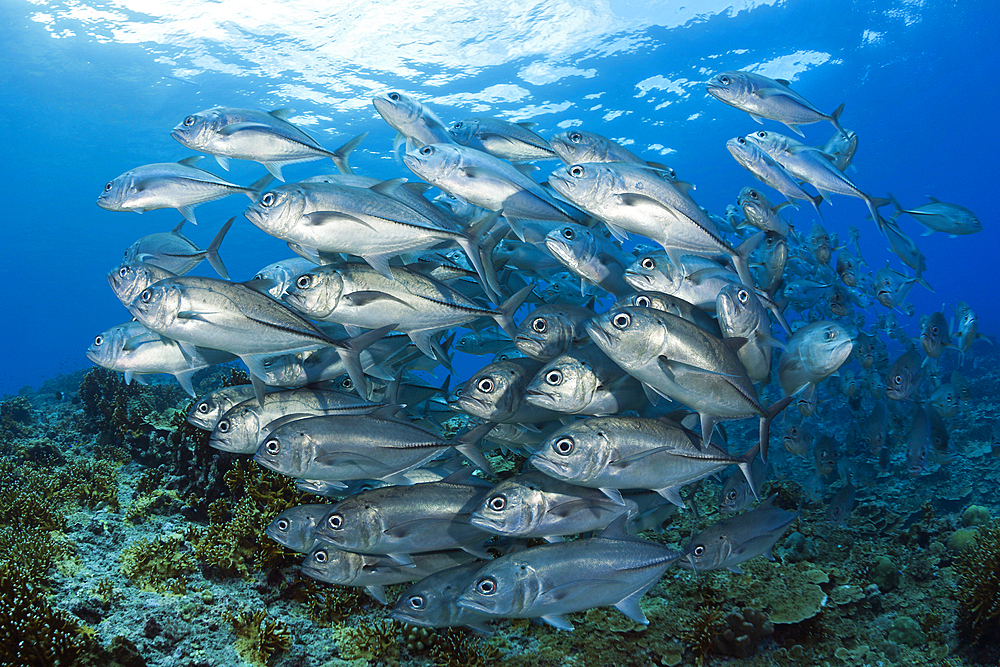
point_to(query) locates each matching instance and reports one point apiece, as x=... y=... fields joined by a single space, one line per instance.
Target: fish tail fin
x=741 y=258
x=897 y=210
x=746 y=461
x=835 y=119
x=350 y=353
x=505 y=312
x=472 y=242
x=341 y=155
x=212 y=252
x=772 y=411
x=920 y=281
x=258 y=186
x=816 y=201
x=467 y=444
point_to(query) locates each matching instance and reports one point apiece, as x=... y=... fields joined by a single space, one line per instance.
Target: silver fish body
x=176 y=253
x=814 y=352
x=497 y=391
x=551 y=330
x=414 y=121
x=206 y=412
x=585 y=382
x=295 y=528
x=501 y=138
x=741 y=315
x=589 y=255
x=432 y=602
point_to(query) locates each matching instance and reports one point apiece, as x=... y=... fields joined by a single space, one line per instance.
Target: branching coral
x=453 y=647
x=979 y=590
x=376 y=640
x=159 y=565
x=259 y=637
x=32 y=632
x=16 y=416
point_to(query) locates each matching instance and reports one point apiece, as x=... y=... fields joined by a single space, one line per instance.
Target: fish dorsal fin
x=190 y=161
x=784 y=82
x=388 y=188
x=283 y=113
x=616 y=529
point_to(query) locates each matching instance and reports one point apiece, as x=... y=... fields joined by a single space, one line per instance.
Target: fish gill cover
x=688 y=234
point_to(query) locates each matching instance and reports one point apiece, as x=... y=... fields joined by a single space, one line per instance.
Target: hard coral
x=259 y=638
x=32 y=632
x=744 y=630
x=452 y=647
x=979 y=586
x=158 y=565
x=373 y=641
x=16 y=416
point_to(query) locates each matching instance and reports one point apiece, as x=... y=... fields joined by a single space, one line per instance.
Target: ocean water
x=92 y=89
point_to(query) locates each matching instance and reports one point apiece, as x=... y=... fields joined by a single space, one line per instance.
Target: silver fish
x=129 y=280
x=763 y=97
x=550 y=330
x=250 y=134
x=671 y=304
x=496 y=393
x=741 y=315
x=737 y=539
x=939 y=216
x=591 y=256
x=295 y=528
x=905 y=376
x=416 y=123
x=579 y=146
x=814 y=352
x=176 y=253
x=501 y=138
x=432 y=602
x=555 y=579
x=206 y=412
x=585 y=382
x=768 y=171
x=761 y=213
x=179 y=185
x=617 y=452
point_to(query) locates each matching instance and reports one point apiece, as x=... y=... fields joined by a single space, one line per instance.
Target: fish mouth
x=599 y=335
x=640 y=281
x=468 y=601
x=466 y=402
x=548 y=466
x=527 y=345
x=485 y=523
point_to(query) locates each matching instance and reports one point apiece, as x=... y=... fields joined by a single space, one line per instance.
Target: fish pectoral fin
x=629 y=461
x=638 y=200
x=630 y=607
x=402 y=559
x=673 y=369
x=557 y=621
x=672 y=494
x=411 y=528
x=380 y=263
x=377 y=591
x=326 y=217
x=476 y=550
x=563 y=510
x=614 y=494
x=194 y=315
x=233 y=128
x=368 y=297
x=616 y=231
x=572 y=589
x=345 y=459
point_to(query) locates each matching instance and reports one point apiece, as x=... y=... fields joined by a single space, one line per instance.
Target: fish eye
x=741 y=140
x=743 y=295
x=203 y=408
x=699 y=551
x=320 y=556
x=732 y=494
x=98 y=340
x=575 y=137
x=335 y=522
x=554 y=377
x=123 y=272
x=486 y=586
x=643 y=301
x=539 y=325
x=762 y=134
x=568 y=233
x=563 y=446
x=897 y=380
x=189 y=121
x=282 y=525
x=348 y=383
x=934 y=330
x=107 y=188
x=621 y=320
x=795 y=430
x=427 y=150
x=724 y=80
x=416 y=602
x=393 y=96
x=486 y=385
x=498 y=503
x=222 y=426
x=267 y=199
x=304 y=281
x=648 y=263
x=830 y=334
x=576 y=171
x=272 y=447
x=146 y=296
x=457 y=125
x=753 y=194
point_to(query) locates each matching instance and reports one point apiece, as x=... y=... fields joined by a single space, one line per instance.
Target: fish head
x=653 y=271
x=824 y=347
x=157 y=306
x=328 y=563
x=354 y=524
x=512 y=508
x=572 y=244
x=577 y=453
x=287 y=450
x=116 y=193
x=587 y=185
x=707 y=551
x=746 y=152
x=129 y=280
x=434 y=162
x=279 y=210
x=565 y=384
x=317 y=293
x=238 y=430
x=575 y=147
x=734 y=494
x=771 y=143
x=494 y=393
x=847 y=268
x=755 y=205
x=945 y=400
x=933 y=333
x=630 y=336
x=106 y=347
x=397 y=108
x=284 y=370
x=464 y=131
x=739 y=311
x=199 y=130
x=730 y=87
x=431 y=601
x=507 y=587
x=825 y=455
x=796 y=438
x=295 y=528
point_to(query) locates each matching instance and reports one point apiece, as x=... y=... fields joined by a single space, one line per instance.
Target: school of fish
x=609 y=395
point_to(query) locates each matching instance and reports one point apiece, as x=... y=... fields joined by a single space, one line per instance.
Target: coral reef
x=259 y=638
x=978 y=592
x=160 y=564
x=375 y=641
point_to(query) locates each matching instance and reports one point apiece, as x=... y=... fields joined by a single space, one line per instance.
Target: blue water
x=91 y=89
